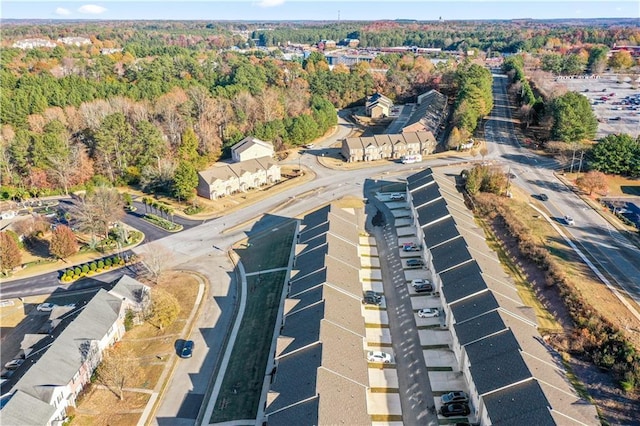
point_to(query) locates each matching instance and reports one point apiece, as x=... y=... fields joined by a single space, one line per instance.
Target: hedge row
x=91 y=268
x=594 y=337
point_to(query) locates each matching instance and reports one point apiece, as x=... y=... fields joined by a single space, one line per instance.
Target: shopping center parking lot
x=614 y=100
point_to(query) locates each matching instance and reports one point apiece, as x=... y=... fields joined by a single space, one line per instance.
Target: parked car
x=309 y=145
x=410 y=247
x=46 y=307
x=543 y=197
x=379 y=356
x=455 y=410
x=428 y=313
x=397 y=196
x=414 y=263
x=455 y=396
x=373 y=294
x=420 y=281
x=424 y=288
x=187 y=349
x=14 y=364
x=569 y=220
x=370 y=300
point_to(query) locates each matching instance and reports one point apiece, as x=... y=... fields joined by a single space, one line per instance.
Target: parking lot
x=614 y=100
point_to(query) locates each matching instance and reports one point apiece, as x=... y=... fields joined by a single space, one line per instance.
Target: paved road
x=416 y=396
x=605 y=246
x=191 y=248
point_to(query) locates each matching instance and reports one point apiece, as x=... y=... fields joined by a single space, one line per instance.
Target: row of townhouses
x=58 y=365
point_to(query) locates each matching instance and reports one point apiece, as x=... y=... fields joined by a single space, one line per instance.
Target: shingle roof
x=26 y=410
x=425 y=190
x=248 y=142
x=496 y=362
x=439 y=232
x=450 y=254
x=235 y=170
x=473 y=306
x=461 y=282
x=430 y=112
x=479 y=327
x=521 y=404
x=420 y=175
x=432 y=212
x=304 y=413
x=58 y=365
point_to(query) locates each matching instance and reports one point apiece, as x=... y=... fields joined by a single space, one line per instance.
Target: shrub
x=77 y=271
x=100 y=264
x=69 y=272
x=93 y=266
x=116 y=260
x=128 y=320
x=85 y=268
x=108 y=262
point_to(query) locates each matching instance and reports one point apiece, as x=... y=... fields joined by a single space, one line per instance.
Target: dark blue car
x=187 y=349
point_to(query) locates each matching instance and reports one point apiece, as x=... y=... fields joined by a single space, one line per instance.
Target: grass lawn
x=267 y=249
x=125 y=412
x=145 y=343
x=586 y=284
x=242 y=384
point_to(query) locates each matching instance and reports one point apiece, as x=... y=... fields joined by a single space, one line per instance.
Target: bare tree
x=97 y=211
x=155 y=257
x=117 y=368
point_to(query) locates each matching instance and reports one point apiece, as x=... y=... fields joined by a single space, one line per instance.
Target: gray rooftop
x=58 y=365
x=479 y=327
x=432 y=212
x=461 y=282
x=439 y=232
x=23 y=409
x=496 y=362
x=450 y=254
x=473 y=306
x=418 y=176
x=521 y=404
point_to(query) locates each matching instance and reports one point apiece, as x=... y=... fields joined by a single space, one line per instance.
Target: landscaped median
x=94 y=267
x=162 y=223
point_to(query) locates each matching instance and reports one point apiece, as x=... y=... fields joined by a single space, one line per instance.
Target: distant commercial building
x=74 y=41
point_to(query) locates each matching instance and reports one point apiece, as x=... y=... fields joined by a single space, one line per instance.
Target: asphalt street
x=202 y=247
x=610 y=251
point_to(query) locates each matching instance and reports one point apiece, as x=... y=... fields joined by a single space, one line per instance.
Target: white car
x=397 y=196
x=428 y=313
x=46 y=307
x=420 y=281
x=379 y=356
x=569 y=220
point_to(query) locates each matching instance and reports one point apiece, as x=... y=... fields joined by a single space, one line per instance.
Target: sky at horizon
x=317 y=10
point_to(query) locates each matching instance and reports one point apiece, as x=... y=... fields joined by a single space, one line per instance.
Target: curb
x=156 y=398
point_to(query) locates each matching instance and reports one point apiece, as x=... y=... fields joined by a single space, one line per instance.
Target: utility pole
x=573 y=158
x=580 y=164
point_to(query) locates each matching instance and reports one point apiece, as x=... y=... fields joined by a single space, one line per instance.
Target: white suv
x=397 y=196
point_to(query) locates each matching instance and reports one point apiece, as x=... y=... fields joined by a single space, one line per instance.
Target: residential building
x=429 y=114
x=228 y=179
x=59 y=365
x=251 y=148
x=320 y=372
x=74 y=41
x=393 y=146
x=512 y=374
x=378 y=105
x=33 y=43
